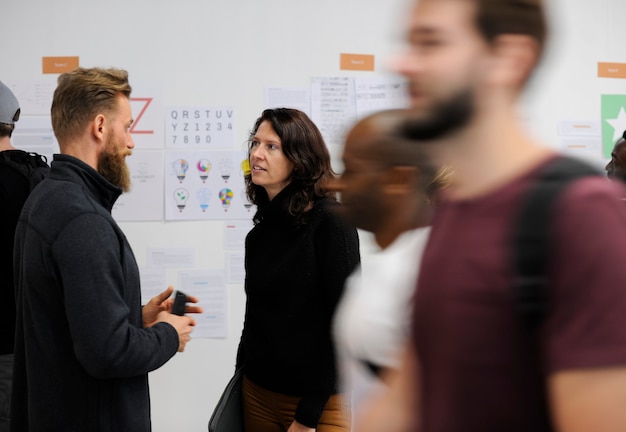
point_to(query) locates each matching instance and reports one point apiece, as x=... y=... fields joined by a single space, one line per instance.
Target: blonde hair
x=81 y=95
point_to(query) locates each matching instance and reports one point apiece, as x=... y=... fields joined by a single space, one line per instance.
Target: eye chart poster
x=206 y=185
x=199 y=127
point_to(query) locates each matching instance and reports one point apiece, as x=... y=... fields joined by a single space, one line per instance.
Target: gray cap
x=9 y=106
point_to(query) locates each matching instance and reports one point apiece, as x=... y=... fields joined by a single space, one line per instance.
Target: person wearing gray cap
x=18 y=170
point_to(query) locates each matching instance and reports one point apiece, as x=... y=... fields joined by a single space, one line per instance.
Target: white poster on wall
x=209 y=285
x=205 y=185
x=333 y=107
x=153 y=282
x=34 y=96
x=380 y=92
x=288 y=97
x=146 y=103
x=235 y=232
x=144 y=201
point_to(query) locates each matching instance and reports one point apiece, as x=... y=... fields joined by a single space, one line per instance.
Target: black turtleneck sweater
x=82 y=356
x=295 y=277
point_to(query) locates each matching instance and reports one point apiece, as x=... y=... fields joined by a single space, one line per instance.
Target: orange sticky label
x=364 y=62
x=57 y=65
x=612 y=70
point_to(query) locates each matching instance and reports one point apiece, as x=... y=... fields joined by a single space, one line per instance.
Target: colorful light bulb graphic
x=204 y=197
x=226 y=196
x=225 y=167
x=180 y=167
x=181 y=196
x=204 y=166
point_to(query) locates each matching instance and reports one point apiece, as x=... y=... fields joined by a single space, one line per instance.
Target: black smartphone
x=180 y=300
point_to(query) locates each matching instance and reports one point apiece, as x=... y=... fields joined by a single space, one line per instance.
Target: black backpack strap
x=531 y=237
x=531 y=252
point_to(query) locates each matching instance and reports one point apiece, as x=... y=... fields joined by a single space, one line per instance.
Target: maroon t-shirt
x=477 y=364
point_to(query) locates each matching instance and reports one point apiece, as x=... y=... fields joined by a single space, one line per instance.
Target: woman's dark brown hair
x=303 y=145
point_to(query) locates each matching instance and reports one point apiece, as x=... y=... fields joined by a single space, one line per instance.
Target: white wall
x=204 y=52
x=209 y=52
x=567 y=87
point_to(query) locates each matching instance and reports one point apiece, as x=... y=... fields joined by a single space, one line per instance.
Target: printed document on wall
x=153 y=282
x=288 y=97
x=209 y=285
x=380 y=92
x=333 y=107
x=144 y=201
x=35 y=96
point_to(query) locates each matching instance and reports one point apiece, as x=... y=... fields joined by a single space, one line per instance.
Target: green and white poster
x=613 y=121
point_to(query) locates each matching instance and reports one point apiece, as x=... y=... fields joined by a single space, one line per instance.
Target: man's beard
x=112 y=166
x=446 y=117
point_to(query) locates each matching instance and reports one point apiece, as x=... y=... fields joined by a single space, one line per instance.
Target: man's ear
x=400 y=180
x=515 y=57
x=98 y=127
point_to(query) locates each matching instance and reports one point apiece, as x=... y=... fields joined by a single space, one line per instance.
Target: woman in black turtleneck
x=298 y=255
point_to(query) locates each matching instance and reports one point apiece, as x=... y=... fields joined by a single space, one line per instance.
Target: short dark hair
x=304 y=147
x=526 y=17
x=6 y=130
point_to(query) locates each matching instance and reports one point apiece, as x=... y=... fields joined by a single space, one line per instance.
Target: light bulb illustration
x=204 y=166
x=180 y=167
x=226 y=196
x=204 y=196
x=181 y=196
x=225 y=167
x=244 y=198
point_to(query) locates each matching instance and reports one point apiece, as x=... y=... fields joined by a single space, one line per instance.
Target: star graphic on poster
x=618 y=124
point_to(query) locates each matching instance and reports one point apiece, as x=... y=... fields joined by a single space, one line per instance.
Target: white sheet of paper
x=580 y=128
x=588 y=148
x=153 y=282
x=34 y=96
x=144 y=201
x=171 y=257
x=380 y=92
x=210 y=288
x=235 y=233
x=298 y=97
x=333 y=107
x=235 y=270
x=205 y=185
